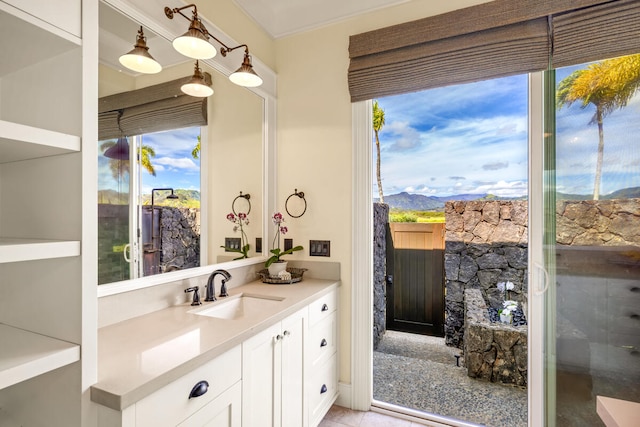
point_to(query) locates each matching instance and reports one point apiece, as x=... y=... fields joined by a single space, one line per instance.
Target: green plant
x=278 y=220
x=402 y=217
x=239 y=220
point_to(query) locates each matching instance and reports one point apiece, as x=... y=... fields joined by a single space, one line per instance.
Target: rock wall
x=493 y=351
x=180 y=231
x=598 y=222
x=380 y=227
x=485 y=243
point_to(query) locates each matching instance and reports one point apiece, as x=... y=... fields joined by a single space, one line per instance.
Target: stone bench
x=493 y=352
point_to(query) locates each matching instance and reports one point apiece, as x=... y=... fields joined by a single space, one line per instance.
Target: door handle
x=546 y=280
x=127 y=248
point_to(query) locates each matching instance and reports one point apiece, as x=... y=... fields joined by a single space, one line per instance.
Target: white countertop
x=138 y=356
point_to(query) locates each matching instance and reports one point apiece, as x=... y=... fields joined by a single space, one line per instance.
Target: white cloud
x=183 y=163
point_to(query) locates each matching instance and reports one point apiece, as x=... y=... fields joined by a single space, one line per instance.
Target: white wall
x=314 y=135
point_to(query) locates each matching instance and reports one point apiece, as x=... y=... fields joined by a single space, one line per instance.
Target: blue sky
x=472 y=139
x=173 y=163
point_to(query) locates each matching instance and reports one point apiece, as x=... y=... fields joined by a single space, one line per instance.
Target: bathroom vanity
x=264 y=356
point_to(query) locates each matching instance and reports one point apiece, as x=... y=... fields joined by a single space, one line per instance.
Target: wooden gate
x=415 y=278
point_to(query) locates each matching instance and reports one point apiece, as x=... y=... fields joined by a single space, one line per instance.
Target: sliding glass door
x=591 y=240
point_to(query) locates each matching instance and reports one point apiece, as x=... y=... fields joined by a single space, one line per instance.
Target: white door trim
x=362 y=258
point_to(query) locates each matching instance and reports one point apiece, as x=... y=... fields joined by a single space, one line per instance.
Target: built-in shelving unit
x=25 y=355
x=48 y=83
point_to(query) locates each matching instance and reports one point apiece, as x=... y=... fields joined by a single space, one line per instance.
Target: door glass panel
x=592 y=204
x=113 y=211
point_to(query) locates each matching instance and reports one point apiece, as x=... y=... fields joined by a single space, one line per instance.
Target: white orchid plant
x=508 y=305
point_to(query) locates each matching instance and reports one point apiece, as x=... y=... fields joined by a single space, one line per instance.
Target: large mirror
x=164 y=199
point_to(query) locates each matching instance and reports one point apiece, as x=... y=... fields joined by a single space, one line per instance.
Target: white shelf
x=15 y=250
x=22 y=142
x=39 y=39
x=24 y=355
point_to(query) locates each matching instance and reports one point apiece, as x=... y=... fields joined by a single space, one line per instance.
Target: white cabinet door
x=259 y=356
x=272 y=375
x=223 y=411
x=292 y=402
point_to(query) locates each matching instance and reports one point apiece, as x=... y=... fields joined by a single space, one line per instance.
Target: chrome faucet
x=211 y=292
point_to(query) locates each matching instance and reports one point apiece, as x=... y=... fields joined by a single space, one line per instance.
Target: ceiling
x=281 y=18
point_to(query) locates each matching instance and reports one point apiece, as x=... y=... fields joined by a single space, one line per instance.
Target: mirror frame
x=151 y=16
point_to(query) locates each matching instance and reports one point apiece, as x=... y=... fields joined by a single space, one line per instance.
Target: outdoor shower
x=153 y=246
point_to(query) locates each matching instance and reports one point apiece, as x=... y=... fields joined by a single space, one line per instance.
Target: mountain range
x=420 y=202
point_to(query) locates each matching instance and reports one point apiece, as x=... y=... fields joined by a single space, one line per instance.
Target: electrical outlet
x=288 y=244
x=320 y=248
x=258 y=244
x=231 y=243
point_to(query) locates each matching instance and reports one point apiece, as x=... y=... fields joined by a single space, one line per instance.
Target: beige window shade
x=494 y=39
x=492 y=53
x=603 y=31
x=152 y=109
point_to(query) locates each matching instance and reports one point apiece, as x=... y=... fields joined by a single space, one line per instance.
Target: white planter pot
x=506 y=318
x=277 y=267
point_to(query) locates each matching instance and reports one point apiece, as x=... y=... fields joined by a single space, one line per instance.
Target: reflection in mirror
x=143 y=230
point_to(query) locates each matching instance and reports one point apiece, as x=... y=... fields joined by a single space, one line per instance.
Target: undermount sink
x=239 y=306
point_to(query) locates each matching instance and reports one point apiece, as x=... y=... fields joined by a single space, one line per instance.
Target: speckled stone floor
x=420 y=372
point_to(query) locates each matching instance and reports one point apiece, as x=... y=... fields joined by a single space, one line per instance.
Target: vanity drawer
x=171 y=404
x=322 y=340
x=323 y=307
x=323 y=390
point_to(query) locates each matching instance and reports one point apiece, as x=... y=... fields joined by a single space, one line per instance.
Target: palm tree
x=608 y=85
x=146 y=152
x=378 y=122
x=195 y=153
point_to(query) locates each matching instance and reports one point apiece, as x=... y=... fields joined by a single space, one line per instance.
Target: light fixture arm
x=196 y=20
x=169 y=12
x=224 y=50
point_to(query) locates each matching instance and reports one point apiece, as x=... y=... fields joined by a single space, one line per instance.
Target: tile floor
x=343 y=417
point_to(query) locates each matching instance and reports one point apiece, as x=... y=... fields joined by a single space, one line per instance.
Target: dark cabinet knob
x=199 y=389
x=323 y=389
x=635 y=316
x=325 y=307
x=323 y=343
x=635 y=289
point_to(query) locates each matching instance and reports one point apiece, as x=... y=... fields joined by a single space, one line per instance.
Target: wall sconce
x=195 y=44
x=139 y=59
x=198 y=85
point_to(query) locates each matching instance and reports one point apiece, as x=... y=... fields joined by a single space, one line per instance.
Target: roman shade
x=152 y=109
x=490 y=40
x=599 y=32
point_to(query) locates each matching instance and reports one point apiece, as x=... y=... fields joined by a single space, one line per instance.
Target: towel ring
x=300 y=195
x=243 y=196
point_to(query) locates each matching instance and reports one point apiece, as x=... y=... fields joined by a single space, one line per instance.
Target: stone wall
x=380 y=227
x=485 y=243
x=180 y=231
x=598 y=222
x=492 y=351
